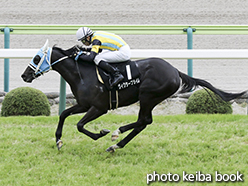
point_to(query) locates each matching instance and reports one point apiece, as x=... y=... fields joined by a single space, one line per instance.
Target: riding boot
x=114 y=72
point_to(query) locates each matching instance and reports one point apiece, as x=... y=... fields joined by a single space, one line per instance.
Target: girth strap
x=113 y=99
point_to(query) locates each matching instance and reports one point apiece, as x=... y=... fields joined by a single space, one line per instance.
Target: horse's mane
x=65 y=52
x=69 y=51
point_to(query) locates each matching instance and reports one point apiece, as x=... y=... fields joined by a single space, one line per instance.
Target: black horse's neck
x=74 y=73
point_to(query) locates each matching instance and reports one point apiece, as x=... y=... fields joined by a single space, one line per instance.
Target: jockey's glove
x=87 y=49
x=78 y=48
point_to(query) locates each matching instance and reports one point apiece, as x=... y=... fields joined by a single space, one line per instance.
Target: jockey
x=106 y=47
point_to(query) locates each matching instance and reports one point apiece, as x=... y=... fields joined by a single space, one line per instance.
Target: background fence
x=189 y=31
x=131 y=29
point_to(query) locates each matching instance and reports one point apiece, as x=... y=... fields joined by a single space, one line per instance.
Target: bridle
x=44 y=64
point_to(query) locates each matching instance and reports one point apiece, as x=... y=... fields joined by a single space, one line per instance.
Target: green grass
x=172 y=144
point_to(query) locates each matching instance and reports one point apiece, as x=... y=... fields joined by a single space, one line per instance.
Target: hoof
x=115 y=135
x=104 y=131
x=59 y=144
x=112 y=148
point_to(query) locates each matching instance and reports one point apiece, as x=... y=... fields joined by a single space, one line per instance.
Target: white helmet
x=83 y=32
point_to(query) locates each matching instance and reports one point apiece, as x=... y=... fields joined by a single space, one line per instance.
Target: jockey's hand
x=76 y=54
x=78 y=48
x=86 y=49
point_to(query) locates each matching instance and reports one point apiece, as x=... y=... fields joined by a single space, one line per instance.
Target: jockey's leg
x=123 y=54
x=114 y=72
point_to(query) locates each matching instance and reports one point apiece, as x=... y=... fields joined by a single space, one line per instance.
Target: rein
x=59 y=60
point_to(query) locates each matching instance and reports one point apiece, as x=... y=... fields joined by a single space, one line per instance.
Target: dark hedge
x=25 y=101
x=206 y=102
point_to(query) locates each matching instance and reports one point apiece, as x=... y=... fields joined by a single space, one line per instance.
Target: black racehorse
x=158 y=81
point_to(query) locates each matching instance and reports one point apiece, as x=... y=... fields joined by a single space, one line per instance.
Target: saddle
x=131 y=75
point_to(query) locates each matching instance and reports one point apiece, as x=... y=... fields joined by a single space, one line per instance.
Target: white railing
x=145 y=53
x=191 y=54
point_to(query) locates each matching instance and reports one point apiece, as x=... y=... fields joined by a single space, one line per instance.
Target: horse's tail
x=189 y=83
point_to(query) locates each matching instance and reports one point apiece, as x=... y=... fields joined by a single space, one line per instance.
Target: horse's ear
x=45 y=47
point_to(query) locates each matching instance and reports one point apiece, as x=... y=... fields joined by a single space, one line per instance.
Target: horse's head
x=40 y=64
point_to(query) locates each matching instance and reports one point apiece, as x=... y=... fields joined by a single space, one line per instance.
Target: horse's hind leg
x=92 y=114
x=145 y=118
x=137 y=127
x=128 y=138
x=141 y=121
x=147 y=102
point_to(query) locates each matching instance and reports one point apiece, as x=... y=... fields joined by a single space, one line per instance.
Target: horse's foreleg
x=72 y=110
x=92 y=114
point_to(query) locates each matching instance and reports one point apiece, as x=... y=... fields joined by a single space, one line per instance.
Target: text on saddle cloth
x=131 y=75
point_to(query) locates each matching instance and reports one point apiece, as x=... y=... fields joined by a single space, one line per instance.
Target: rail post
x=6 y=31
x=190 y=31
x=62 y=95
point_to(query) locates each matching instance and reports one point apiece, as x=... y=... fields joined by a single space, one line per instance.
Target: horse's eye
x=37 y=59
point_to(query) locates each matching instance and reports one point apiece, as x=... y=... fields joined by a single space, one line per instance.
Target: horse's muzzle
x=26 y=78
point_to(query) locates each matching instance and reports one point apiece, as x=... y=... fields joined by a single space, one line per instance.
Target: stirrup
x=117 y=79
